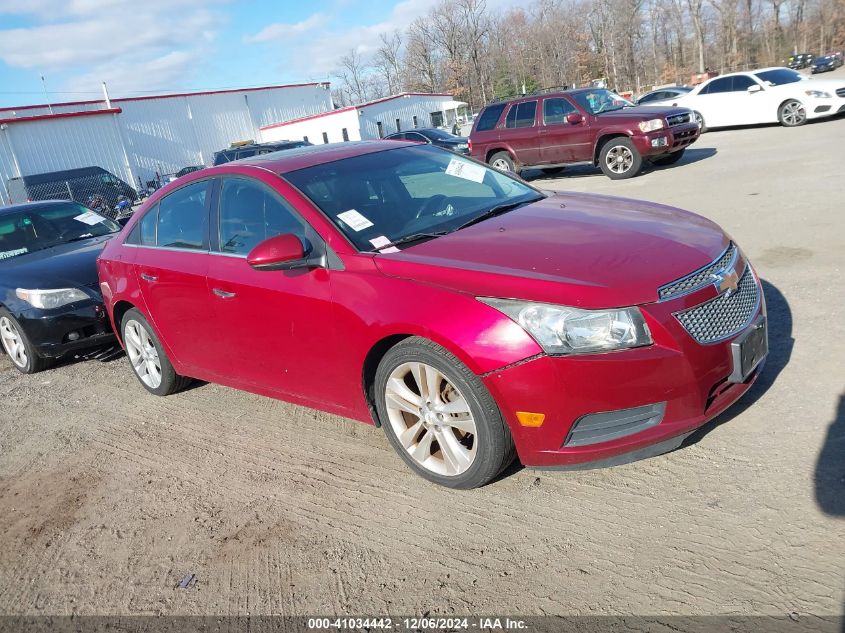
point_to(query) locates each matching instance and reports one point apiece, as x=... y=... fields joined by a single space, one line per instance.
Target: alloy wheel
x=143 y=354
x=501 y=164
x=13 y=342
x=431 y=419
x=619 y=159
x=794 y=113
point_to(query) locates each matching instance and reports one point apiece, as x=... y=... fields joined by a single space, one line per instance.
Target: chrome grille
x=698 y=278
x=840 y=92
x=725 y=315
x=678 y=119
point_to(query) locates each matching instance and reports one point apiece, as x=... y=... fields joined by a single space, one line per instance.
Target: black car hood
x=70 y=265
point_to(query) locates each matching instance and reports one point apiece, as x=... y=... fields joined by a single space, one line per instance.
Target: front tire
x=619 y=159
x=502 y=161
x=792 y=113
x=697 y=116
x=146 y=355
x=669 y=159
x=17 y=345
x=439 y=416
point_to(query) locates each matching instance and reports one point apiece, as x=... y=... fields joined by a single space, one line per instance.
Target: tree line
x=478 y=54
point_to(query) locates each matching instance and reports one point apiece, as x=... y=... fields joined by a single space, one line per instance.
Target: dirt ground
x=109 y=497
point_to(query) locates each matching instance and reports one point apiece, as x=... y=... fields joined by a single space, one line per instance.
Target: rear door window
x=521 y=115
x=489 y=117
x=183 y=217
x=718 y=85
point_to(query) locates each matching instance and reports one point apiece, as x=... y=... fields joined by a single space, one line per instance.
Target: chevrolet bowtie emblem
x=726 y=281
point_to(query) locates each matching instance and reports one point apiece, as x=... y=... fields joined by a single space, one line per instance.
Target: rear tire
x=792 y=113
x=502 y=161
x=619 y=158
x=147 y=358
x=668 y=159
x=18 y=347
x=451 y=409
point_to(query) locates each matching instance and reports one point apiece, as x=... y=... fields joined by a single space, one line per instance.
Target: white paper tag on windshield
x=89 y=217
x=466 y=170
x=380 y=242
x=355 y=220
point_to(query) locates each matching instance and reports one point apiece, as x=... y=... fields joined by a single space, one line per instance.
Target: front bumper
x=688 y=380
x=80 y=325
x=819 y=108
x=667 y=140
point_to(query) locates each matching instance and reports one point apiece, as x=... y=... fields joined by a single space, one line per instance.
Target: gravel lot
x=109 y=496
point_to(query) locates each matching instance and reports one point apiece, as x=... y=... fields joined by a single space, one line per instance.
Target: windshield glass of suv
x=35 y=229
x=379 y=198
x=601 y=100
x=779 y=76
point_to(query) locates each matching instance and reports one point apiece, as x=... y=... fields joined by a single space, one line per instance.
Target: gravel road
x=109 y=497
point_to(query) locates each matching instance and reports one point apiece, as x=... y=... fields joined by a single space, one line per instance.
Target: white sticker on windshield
x=466 y=170
x=90 y=218
x=355 y=220
x=381 y=242
x=14 y=253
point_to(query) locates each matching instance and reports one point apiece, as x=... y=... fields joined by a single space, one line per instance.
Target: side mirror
x=755 y=88
x=574 y=118
x=282 y=252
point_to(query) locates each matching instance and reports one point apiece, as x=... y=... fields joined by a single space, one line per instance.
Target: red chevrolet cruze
x=469 y=314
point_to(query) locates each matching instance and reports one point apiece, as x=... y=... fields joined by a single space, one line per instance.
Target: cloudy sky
x=147 y=46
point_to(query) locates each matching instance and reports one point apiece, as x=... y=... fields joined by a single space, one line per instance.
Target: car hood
x=574 y=249
x=814 y=83
x=643 y=112
x=71 y=265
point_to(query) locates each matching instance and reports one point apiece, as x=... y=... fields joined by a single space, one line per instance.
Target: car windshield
x=600 y=100
x=36 y=228
x=779 y=76
x=822 y=60
x=383 y=197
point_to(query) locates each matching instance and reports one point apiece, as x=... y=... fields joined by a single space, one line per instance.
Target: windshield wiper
x=414 y=237
x=497 y=210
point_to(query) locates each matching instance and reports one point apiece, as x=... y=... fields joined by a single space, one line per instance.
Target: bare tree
x=388 y=61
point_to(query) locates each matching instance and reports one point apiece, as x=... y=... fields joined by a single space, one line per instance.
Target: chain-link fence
x=101 y=192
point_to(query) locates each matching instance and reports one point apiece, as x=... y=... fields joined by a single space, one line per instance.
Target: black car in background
x=432 y=136
x=801 y=60
x=245 y=150
x=83 y=183
x=664 y=94
x=50 y=300
x=824 y=64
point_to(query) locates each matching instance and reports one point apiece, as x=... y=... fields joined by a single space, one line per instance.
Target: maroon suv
x=590 y=125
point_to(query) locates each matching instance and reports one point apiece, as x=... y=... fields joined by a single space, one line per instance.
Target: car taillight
x=469 y=145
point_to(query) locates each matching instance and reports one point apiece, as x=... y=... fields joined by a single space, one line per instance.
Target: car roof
x=32 y=206
x=302 y=157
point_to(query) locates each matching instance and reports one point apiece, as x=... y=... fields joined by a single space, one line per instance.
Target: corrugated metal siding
x=160 y=135
x=331 y=124
x=403 y=109
x=51 y=145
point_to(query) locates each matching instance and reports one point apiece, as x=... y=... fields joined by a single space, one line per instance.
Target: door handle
x=147 y=277
x=223 y=294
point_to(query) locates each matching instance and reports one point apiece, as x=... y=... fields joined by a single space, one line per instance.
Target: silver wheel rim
x=13 y=342
x=619 y=159
x=794 y=113
x=142 y=354
x=501 y=164
x=431 y=419
x=699 y=119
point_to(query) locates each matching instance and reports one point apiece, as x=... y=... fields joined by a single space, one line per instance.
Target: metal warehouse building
x=137 y=137
x=370 y=120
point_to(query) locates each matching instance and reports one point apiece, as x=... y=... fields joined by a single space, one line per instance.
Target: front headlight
x=563 y=330
x=651 y=126
x=50 y=299
x=818 y=94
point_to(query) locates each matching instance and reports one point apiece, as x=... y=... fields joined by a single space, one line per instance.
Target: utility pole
x=46 y=96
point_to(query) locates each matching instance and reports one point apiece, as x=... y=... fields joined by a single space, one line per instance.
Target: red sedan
x=469 y=314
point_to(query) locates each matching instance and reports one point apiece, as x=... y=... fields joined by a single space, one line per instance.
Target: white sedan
x=769 y=95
